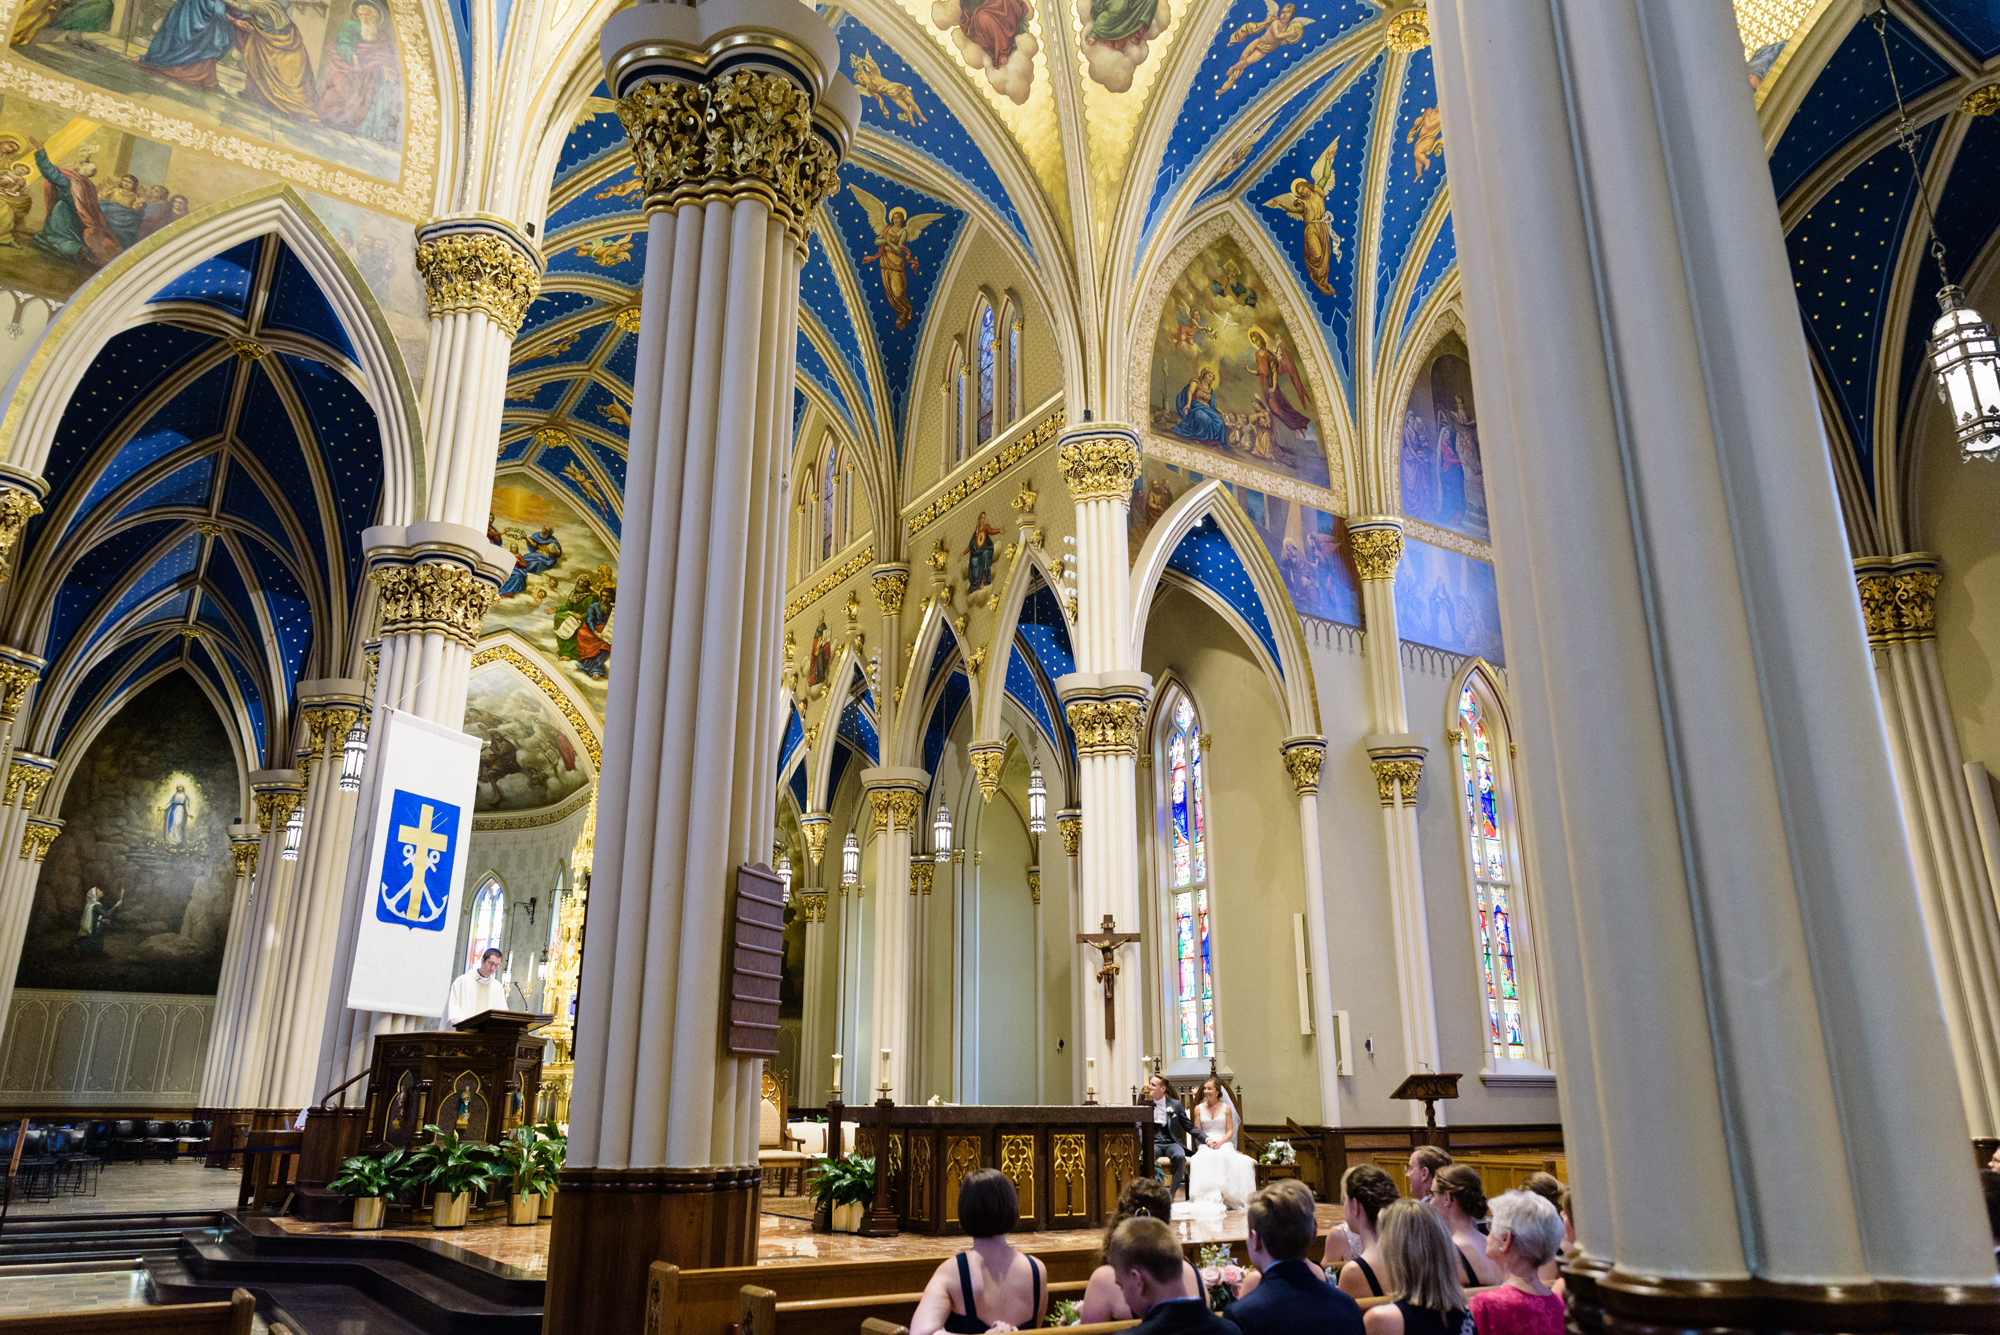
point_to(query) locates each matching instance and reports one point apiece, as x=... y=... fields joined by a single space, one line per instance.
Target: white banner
x=425 y=781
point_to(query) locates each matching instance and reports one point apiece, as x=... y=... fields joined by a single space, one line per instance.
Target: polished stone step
x=62 y=1238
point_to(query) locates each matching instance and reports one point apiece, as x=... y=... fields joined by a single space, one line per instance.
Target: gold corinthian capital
x=1099 y=466
x=477 y=269
x=433 y=596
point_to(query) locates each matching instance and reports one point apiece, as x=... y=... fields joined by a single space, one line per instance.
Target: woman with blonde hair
x=1459 y=1197
x=1420 y=1267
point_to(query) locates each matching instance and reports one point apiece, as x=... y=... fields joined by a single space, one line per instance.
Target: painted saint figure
x=90 y=926
x=1306 y=201
x=190 y=39
x=277 y=72
x=868 y=77
x=583 y=623
x=894 y=230
x=820 y=662
x=544 y=550
x=1196 y=403
x=994 y=26
x=979 y=555
x=14 y=205
x=1271 y=363
x=1427 y=134
x=174 y=819
x=76 y=227
x=361 y=77
x=1277 y=28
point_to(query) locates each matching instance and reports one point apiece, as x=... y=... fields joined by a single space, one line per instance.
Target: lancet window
x=489 y=920
x=1192 y=984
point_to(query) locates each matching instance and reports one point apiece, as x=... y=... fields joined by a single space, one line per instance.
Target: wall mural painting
x=1226 y=375
x=1281 y=26
x=1448 y=601
x=1443 y=475
x=893 y=230
x=1118 y=35
x=135 y=895
x=381 y=248
x=564 y=586
x=992 y=36
x=323 y=77
x=528 y=756
x=1312 y=552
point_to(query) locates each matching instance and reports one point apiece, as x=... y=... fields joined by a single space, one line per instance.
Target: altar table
x=1068 y=1163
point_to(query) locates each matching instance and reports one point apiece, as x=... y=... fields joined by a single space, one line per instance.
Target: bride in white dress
x=1219 y=1174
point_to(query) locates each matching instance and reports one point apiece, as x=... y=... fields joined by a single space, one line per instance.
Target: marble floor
x=525 y=1250
x=142 y=1188
x=39 y=1295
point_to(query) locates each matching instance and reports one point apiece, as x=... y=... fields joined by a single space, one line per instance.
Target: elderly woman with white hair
x=1526 y=1233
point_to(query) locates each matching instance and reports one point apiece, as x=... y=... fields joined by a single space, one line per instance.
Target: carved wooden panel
x=1118 y=1161
x=1017 y=1161
x=961 y=1156
x=1069 y=1186
x=920 y=1179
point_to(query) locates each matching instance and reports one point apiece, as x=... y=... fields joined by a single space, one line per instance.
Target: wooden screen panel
x=756 y=963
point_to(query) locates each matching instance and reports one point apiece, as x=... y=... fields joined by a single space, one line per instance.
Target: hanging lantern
x=1968 y=372
x=850 y=859
x=784 y=870
x=351 y=756
x=294 y=828
x=1038 y=799
x=941 y=834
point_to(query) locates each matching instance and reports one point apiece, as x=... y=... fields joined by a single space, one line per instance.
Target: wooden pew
x=877 y=1326
x=220 y=1318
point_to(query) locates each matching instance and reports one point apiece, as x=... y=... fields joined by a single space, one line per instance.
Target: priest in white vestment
x=477 y=991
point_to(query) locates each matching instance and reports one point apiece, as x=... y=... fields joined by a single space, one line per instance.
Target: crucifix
x=1106 y=943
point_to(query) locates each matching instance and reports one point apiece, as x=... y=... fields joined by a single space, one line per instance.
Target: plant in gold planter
x=845 y=1187
x=451 y=1169
x=528 y=1176
x=368 y=1179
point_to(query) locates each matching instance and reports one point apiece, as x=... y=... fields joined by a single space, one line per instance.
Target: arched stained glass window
x=958 y=417
x=984 y=334
x=831 y=473
x=1493 y=881
x=489 y=920
x=1014 y=367
x=1187 y=834
x=847 y=508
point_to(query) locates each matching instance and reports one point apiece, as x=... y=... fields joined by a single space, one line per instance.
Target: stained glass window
x=1014 y=369
x=1187 y=799
x=489 y=916
x=1492 y=879
x=832 y=475
x=958 y=418
x=985 y=342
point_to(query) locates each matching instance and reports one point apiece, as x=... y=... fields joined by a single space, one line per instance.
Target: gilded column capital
x=321 y=720
x=1069 y=824
x=27 y=776
x=243 y=848
x=17 y=506
x=1035 y=884
x=439 y=597
x=1105 y=727
x=1378 y=546
x=894 y=808
x=921 y=872
x=18 y=675
x=37 y=836
x=276 y=800
x=892 y=582
x=1099 y=461
x=1899 y=596
x=1410 y=30
x=1303 y=757
x=812 y=905
x=1390 y=775
x=987 y=758
x=478 y=264
x=814 y=825
x=743 y=134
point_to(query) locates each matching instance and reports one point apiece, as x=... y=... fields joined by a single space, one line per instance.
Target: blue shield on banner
x=414 y=886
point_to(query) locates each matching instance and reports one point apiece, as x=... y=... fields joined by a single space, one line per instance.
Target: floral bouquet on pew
x=1067 y=1312
x=1279 y=1151
x=1221 y=1277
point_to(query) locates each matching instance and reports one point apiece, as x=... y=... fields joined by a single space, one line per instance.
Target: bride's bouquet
x=1279 y=1151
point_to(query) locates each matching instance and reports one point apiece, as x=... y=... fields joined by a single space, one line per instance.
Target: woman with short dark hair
x=1141 y=1197
x=1365 y=1191
x=989 y=1286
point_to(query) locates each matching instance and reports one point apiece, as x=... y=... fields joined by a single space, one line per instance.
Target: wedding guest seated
x=1365 y=1191
x=1989 y=1183
x=1421 y=1268
x=1558 y=1284
x=1550 y=1189
x=1291 y=1293
x=1459 y=1198
x=991 y=1286
x=1526 y=1235
x=1425 y=1160
x=1146 y=1257
x=1146 y=1198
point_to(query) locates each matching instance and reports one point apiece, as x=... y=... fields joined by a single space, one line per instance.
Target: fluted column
x=1757 y=1083
x=1041 y=1001
x=1105 y=699
x=1397 y=757
x=300 y=988
x=923 y=870
x=277 y=794
x=19 y=673
x=1069 y=824
x=895 y=804
x=20 y=860
x=224 y=1034
x=1303 y=757
x=813 y=1045
x=737 y=118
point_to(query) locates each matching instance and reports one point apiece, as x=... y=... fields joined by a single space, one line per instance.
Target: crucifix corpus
x=1106 y=943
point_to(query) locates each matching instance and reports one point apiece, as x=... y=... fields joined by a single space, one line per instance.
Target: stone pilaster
x=21 y=856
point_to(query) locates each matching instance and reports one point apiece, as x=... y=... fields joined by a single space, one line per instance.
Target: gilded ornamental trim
x=986 y=763
x=1100 y=466
x=1303 y=758
x=275 y=805
x=833 y=580
x=894 y=808
x=1410 y=31
x=25 y=782
x=812 y=905
x=16 y=680
x=17 y=507
x=433 y=597
x=921 y=872
x=740 y=135
x=1899 y=597
x=1003 y=459
x=814 y=826
x=478 y=270
x=1404 y=772
x=1378 y=546
x=1070 y=825
x=1105 y=727
x=891 y=584
x=244 y=851
x=37 y=837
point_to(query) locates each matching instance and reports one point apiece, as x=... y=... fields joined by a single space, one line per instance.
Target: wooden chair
x=269 y=1160
x=221 y=1318
x=779 y=1152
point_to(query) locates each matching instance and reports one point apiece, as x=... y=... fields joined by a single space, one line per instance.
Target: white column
x=1105 y=699
x=1041 y=1003
x=20 y=860
x=896 y=804
x=1749 y=1025
x=1303 y=757
x=663 y=1127
x=1069 y=824
x=814 y=1040
x=224 y=1033
x=923 y=871
x=1898 y=601
x=247 y=1021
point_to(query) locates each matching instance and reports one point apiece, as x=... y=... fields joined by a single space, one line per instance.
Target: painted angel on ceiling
x=868 y=77
x=1306 y=201
x=1117 y=36
x=992 y=36
x=894 y=230
x=1280 y=26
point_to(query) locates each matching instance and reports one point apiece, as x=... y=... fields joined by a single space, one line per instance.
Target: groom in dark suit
x=1171 y=1129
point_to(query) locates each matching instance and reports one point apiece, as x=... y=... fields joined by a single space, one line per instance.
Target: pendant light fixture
x=941 y=835
x=1038 y=796
x=351 y=755
x=850 y=859
x=1962 y=350
x=295 y=826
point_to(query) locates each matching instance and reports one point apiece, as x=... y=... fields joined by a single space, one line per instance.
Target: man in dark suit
x=1291 y=1295
x=1171 y=1129
x=1145 y=1259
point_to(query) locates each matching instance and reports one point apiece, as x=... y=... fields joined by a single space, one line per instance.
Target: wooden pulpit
x=479 y=1080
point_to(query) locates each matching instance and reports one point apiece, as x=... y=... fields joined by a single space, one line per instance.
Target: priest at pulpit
x=477 y=990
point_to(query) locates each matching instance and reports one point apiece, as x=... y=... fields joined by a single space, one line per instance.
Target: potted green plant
x=451 y=1168
x=553 y=1146
x=845 y=1187
x=528 y=1177
x=369 y=1179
